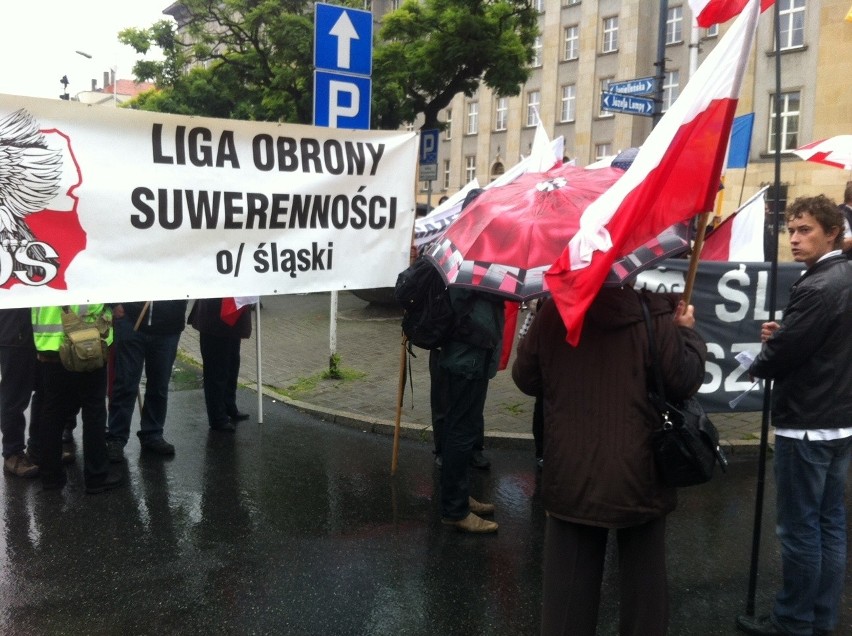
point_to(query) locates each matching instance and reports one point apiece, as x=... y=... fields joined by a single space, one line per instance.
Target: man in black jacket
x=809 y=356
x=146 y=335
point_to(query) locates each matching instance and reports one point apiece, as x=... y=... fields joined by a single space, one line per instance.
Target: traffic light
x=64 y=81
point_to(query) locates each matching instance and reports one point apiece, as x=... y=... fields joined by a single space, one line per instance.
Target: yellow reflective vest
x=47 y=324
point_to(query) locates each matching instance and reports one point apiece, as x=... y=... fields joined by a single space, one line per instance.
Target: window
x=501 y=113
x=569 y=103
x=674 y=26
x=671 y=89
x=394 y=5
x=791 y=20
x=536 y=48
x=533 y=101
x=572 y=42
x=570 y=3
x=790 y=104
x=539 y=5
x=609 y=43
x=472 y=117
x=604 y=88
x=446 y=179
x=602 y=151
x=448 y=129
x=711 y=32
x=469 y=168
x=409 y=127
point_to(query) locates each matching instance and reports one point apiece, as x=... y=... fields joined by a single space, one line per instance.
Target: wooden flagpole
x=399 y=397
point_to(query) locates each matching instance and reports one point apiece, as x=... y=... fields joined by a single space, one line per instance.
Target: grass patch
x=307 y=385
x=515 y=408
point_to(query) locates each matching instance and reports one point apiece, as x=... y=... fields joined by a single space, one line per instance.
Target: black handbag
x=686 y=445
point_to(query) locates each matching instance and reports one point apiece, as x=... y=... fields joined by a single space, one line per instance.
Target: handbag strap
x=659 y=395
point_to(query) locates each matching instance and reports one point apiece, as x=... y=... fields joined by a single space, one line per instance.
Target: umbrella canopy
x=509 y=236
x=834 y=151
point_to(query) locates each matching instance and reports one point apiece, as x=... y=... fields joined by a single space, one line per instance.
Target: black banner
x=731 y=302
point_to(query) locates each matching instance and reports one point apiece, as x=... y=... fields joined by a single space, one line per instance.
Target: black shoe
x=479 y=460
x=438 y=461
x=115 y=452
x=539 y=462
x=102 y=485
x=158 y=446
x=67 y=436
x=225 y=427
x=238 y=417
x=759 y=626
x=69 y=453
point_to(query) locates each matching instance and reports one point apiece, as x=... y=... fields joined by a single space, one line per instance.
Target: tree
x=431 y=50
x=253 y=59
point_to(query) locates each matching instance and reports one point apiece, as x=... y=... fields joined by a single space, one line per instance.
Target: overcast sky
x=40 y=37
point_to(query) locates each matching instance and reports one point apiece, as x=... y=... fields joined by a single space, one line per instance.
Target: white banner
x=99 y=204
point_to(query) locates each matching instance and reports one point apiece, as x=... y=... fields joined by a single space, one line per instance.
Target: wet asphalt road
x=296 y=527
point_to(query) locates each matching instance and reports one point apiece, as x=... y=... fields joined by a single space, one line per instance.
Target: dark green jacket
x=485 y=316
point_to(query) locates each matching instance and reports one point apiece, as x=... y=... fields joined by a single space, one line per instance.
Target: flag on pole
x=675 y=176
x=233 y=308
x=740 y=146
x=710 y=12
x=739 y=238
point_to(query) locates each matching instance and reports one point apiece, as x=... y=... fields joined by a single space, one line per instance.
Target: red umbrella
x=834 y=151
x=509 y=236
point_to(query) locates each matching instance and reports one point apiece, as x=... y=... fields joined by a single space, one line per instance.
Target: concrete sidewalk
x=295 y=353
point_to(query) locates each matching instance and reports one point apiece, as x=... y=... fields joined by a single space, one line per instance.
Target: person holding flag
x=222 y=326
x=808 y=357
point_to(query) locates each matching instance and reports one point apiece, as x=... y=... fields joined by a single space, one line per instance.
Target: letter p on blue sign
x=341 y=101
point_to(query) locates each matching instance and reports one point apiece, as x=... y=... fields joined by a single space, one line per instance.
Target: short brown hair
x=824 y=211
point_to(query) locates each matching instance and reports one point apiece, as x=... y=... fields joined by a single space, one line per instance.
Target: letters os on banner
x=102 y=204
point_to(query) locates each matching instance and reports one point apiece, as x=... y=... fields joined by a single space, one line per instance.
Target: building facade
x=585 y=44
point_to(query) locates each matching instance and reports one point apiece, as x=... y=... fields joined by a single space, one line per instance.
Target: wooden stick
x=399 y=397
x=696 y=253
x=136 y=328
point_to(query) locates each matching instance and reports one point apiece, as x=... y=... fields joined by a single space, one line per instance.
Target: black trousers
x=438 y=402
x=220 y=358
x=573 y=570
x=17 y=383
x=462 y=426
x=64 y=392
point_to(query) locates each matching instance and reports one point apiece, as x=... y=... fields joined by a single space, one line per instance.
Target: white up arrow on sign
x=345 y=33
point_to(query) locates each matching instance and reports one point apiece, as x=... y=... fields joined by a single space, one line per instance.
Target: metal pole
x=773 y=284
x=661 y=61
x=258 y=350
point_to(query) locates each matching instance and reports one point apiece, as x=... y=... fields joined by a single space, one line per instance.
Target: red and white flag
x=739 y=238
x=710 y=12
x=675 y=176
x=233 y=308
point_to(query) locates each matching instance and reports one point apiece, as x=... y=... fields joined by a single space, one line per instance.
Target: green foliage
x=431 y=50
x=253 y=59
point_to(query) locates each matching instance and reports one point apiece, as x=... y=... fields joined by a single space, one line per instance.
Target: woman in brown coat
x=599 y=471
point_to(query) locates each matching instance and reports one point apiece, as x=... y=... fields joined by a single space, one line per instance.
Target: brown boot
x=480 y=508
x=20 y=465
x=471 y=523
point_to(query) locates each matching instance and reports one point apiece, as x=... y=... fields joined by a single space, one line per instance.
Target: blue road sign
x=638 y=86
x=429 y=146
x=341 y=101
x=343 y=39
x=629 y=104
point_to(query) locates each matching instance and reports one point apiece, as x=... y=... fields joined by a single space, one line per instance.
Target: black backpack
x=428 y=318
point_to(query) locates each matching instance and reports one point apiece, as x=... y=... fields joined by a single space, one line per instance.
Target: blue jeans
x=810 y=477
x=133 y=351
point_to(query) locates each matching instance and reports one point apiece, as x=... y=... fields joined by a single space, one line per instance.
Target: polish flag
x=675 y=176
x=739 y=238
x=233 y=307
x=710 y=12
